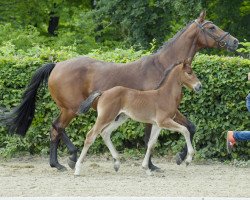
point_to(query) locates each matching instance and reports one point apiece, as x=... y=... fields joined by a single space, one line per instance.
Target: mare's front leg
x=147 y=134
x=181 y=119
x=152 y=141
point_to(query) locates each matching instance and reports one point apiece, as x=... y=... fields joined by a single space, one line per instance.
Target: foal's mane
x=174 y=38
x=166 y=73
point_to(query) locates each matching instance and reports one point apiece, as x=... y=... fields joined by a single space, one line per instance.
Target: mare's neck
x=185 y=46
x=173 y=85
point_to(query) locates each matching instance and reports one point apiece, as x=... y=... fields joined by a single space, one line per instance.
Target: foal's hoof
x=116 y=165
x=149 y=172
x=71 y=163
x=178 y=159
x=76 y=174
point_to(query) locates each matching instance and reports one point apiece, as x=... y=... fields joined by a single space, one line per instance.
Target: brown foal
x=157 y=107
x=72 y=81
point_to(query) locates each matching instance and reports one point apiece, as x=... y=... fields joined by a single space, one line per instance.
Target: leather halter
x=219 y=39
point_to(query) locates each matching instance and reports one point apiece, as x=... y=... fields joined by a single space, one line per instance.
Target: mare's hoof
x=178 y=159
x=71 y=163
x=187 y=163
x=59 y=167
x=154 y=168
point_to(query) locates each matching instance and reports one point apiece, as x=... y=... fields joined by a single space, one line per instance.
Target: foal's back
x=143 y=106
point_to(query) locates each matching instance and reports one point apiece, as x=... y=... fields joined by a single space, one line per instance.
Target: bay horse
x=70 y=82
x=158 y=107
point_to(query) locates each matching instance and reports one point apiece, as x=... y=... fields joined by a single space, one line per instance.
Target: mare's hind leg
x=152 y=140
x=106 y=138
x=181 y=119
x=147 y=134
x=57 y=133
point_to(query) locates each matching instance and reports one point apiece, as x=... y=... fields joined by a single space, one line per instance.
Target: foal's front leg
x=152 y=140
x=147 y=134
x=174 y=126
x=181 y=119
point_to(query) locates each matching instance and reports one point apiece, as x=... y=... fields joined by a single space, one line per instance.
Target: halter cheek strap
x=219 y=39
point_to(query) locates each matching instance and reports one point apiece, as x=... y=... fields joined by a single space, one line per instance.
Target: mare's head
x=188 y=77
x=210 y=35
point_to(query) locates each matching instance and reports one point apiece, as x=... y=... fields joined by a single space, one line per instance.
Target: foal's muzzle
x=197 y=87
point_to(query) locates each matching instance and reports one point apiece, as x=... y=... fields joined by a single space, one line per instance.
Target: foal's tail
x=19 y=119
x=86 y=105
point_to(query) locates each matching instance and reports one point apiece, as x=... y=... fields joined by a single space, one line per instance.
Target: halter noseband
x=219 y=39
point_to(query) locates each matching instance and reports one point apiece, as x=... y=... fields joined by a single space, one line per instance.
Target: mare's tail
x=19 y=119
x=86 y=105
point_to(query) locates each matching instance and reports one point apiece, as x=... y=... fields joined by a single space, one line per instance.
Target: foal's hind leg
x=58 y=133
x=147 y=134
x=90 y=138
x=181 y=119
x=106 y=137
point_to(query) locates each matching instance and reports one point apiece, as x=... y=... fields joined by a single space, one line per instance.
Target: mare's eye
x=212 y=28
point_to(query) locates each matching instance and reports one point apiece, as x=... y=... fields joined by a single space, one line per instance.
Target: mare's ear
x=202 y=16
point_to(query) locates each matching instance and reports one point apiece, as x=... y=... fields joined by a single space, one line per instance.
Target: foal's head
x=212 y=36
x=188 y=77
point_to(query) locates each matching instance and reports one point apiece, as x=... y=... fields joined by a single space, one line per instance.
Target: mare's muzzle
x=231 y=43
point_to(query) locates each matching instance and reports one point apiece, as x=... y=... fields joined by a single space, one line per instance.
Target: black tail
x=19 y=120
x=86 y=105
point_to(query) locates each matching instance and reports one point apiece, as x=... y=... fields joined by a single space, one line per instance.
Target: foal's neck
x=173 y=85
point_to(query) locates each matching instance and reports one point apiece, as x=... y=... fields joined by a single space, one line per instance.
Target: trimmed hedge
x=220 y=106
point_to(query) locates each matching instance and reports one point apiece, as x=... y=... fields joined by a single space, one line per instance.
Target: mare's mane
x=167 y=45
x=174 y=38
x=165 y=75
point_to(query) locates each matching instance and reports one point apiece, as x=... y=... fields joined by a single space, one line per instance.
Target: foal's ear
x=187 y=62
x=202 y=16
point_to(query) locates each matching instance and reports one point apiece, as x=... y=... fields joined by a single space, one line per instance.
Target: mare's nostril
x=236 y=41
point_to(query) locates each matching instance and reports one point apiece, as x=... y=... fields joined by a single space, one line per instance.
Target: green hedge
x=220 y=107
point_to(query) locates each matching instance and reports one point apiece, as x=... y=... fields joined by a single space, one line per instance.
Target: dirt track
x=29 y=176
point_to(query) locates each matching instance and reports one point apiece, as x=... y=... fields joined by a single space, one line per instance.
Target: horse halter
x=219 y=39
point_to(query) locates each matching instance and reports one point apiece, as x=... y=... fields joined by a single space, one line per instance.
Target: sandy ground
x=32 y=176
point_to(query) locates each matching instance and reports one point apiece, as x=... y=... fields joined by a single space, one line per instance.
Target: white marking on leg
x=90 y=138
x=106 y=137
x=152 y=141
